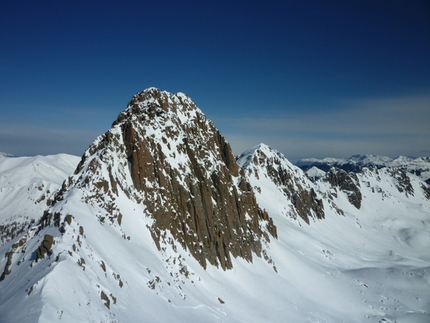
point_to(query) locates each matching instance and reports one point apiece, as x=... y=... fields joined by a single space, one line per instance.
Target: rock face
x=185 y=174
x=347 y=182
x=402 y=181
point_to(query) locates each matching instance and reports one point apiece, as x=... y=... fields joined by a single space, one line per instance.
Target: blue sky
x=309 y=78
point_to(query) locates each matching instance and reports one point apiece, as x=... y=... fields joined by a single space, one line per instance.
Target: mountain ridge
x=32 y=181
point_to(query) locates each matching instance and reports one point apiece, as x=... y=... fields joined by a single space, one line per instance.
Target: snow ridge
x=27 y=186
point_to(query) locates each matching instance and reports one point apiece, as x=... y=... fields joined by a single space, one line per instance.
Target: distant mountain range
x=159 y=222
x=418 y=166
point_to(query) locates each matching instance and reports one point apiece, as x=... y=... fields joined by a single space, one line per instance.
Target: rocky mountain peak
x=164 y=153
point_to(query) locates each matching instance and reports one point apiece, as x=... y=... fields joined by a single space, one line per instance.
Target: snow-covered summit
x=153 y=103
x=261 y=149
x=279 y=184
x=314 y=173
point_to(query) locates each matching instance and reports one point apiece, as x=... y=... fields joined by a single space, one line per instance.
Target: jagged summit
x=152 y=103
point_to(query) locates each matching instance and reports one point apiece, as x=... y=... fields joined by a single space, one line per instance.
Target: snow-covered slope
x=160 y=224
x=26 y=186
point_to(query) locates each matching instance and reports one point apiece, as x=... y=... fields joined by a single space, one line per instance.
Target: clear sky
x=309 y=78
